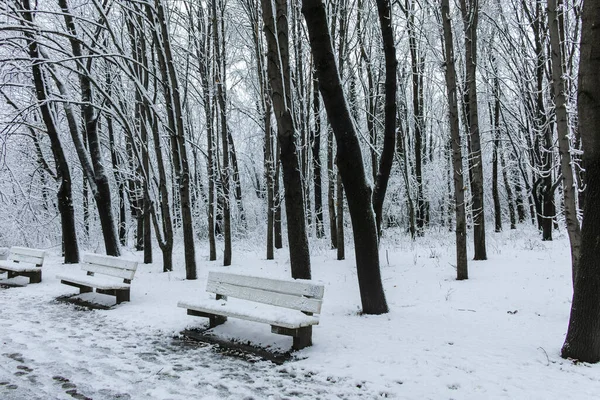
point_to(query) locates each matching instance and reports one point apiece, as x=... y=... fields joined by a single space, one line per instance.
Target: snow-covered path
x=495 y=336
x=83 y=355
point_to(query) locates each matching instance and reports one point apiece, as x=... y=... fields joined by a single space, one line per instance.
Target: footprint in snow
x=23 y=370
x=18 y=357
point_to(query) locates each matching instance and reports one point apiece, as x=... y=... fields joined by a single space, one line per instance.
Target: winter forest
x=333 y=137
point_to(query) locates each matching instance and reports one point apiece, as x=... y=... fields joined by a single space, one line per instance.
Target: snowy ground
x=497 y=335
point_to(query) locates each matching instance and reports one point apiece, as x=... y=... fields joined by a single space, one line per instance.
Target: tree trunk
x=278 y=69
x=226 y=170
x=384 y=9
x=202 y=44
x=495 y=116
x=509 y=191
x=349 y=160
x=316 y=150
x=418 y=118
x=583 y=336
x=556 y=22
x=277 y=231
x=470 y=14
x=457 y=161
x=339 y=202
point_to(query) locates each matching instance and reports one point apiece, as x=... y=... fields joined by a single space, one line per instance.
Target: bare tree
x=557 y=38
x=470 y=15
x=455 y=139
x=278 y=69
x=358 y=191
x=384 y=9
x=101 y=187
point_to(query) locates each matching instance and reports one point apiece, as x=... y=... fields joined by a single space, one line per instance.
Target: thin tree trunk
x=225 y=170
x=339 y=202
x=277 y=230
x=470 y=14
x=417 y=93
x=331 y=181
x=316 y=150
x=384 y=9
x=457 y=161
x=495 y=116
x=557 y=38
x=509 y=191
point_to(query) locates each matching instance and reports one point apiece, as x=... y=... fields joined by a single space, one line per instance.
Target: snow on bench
x=109 y=275
x=24 y=261
x=287 y=305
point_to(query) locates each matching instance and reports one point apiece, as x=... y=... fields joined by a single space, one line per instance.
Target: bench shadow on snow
x=235 y=348
x=87 y=301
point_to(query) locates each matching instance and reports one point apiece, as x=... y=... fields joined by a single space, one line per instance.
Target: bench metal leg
x=122 y=295
x=34 y=277
x=302 y=336
x=216 y=320
x=85 y=289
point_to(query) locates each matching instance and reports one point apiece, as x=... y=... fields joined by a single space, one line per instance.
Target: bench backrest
x=27 y=255
x=294 y=294
x=108 y=265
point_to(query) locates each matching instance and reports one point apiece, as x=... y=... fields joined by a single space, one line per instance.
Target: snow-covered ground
x=497 y=335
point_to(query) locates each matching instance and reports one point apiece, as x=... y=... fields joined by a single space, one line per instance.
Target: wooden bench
x=289 y=308
x=108 y=275
x=24 y=261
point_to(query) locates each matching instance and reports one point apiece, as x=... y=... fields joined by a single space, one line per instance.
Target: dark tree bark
x=277 y=230
x=339 y=202
x=457 y=162
x=278 y=70
x=509 y=191
x=225 y=143
x=384 y=9
x=316 y=150
x=495 y=117
x=583 y=336
x=340 y=16
x=333 y=231
x=470 y=14
x=358 y=191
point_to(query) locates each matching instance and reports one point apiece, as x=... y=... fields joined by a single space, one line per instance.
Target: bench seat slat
x=295 y=287
x=267 y=297
x=106 y=270
x=253 y=312
x=109 y=261
x=100 y=282
x=36 y=253
x=18 y=267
